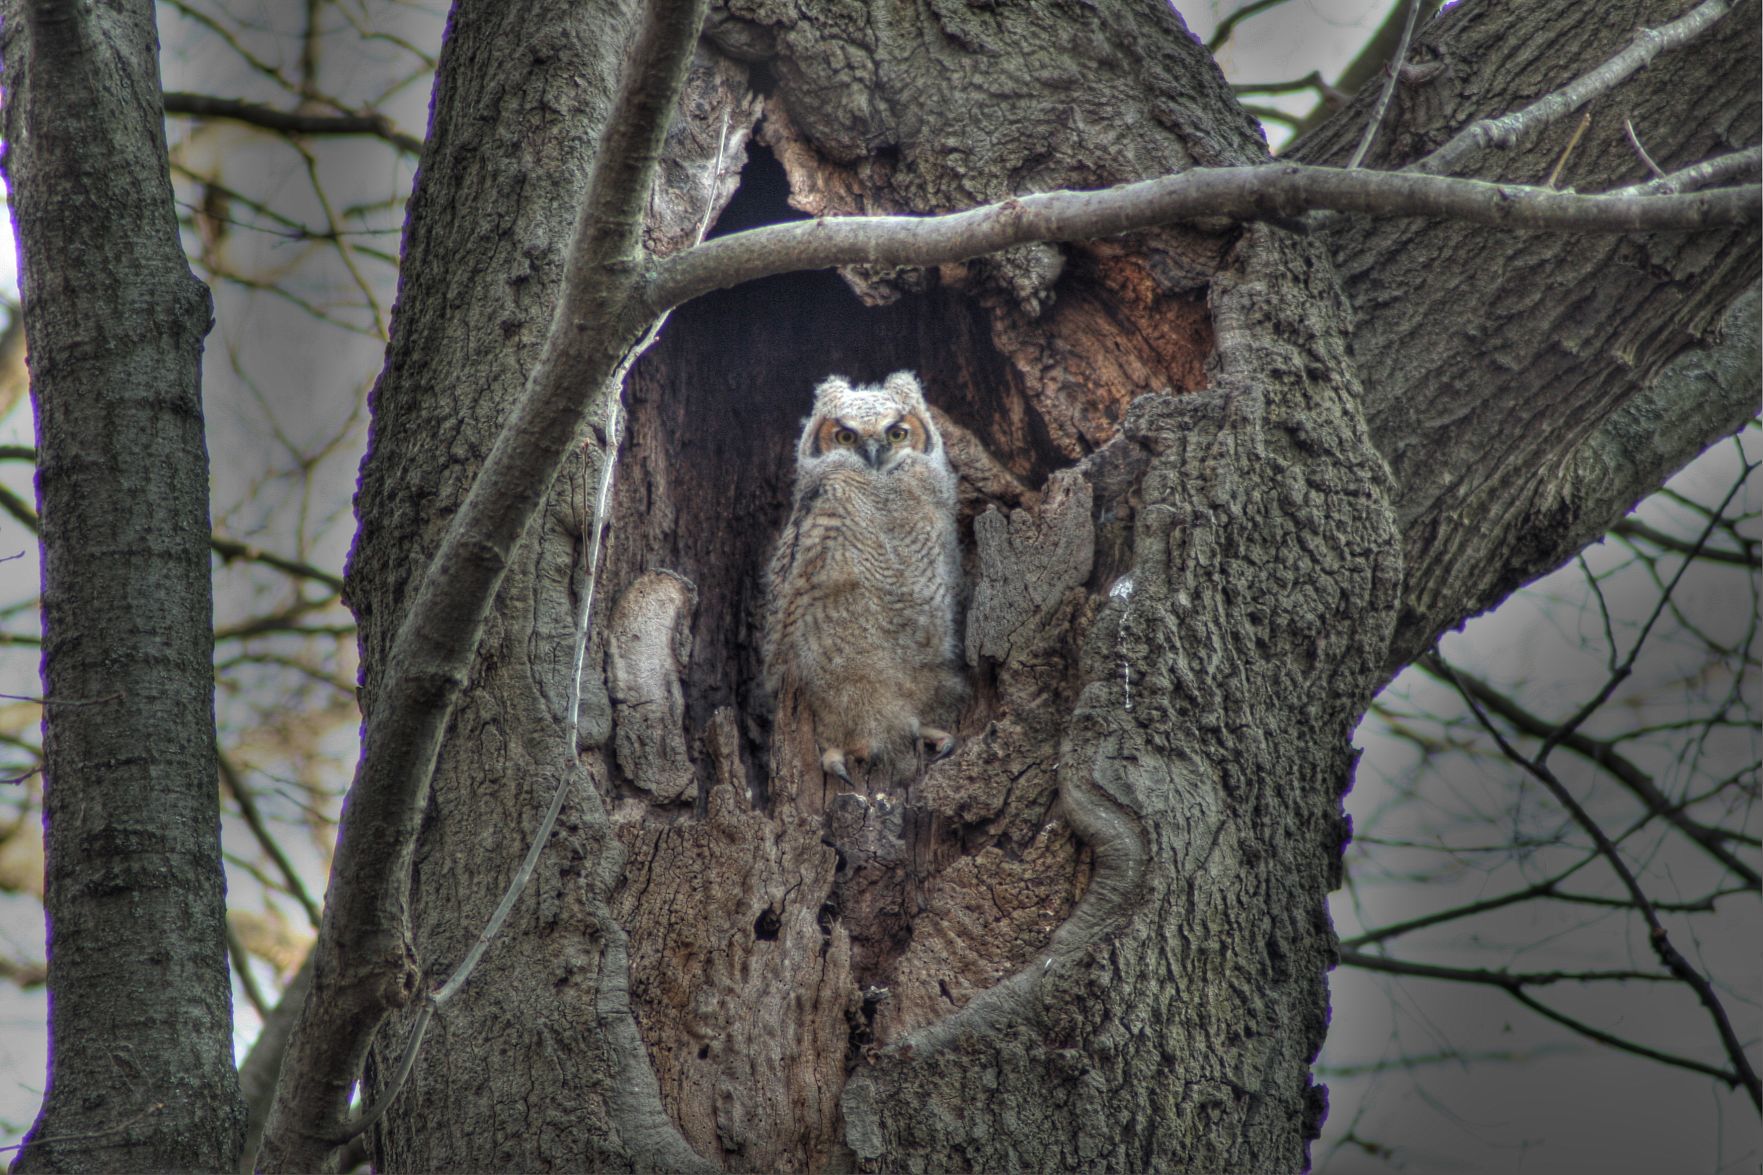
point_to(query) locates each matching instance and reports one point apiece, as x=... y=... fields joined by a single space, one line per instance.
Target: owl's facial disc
x=879 y=444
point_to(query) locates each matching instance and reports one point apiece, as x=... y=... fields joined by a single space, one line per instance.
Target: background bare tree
x=1483 y=930
x=294 y=692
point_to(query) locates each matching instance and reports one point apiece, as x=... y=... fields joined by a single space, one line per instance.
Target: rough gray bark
x=1499 y=409
x=497 y=95
x=141 y=1067
x=1097 y=935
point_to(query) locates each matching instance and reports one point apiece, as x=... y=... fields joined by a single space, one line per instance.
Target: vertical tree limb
x=141 y=1069
x=364 y=965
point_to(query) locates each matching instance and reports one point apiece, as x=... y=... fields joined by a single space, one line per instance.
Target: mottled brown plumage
x=864 y=583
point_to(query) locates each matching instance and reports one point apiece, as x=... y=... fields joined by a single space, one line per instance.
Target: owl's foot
x=833 y=761
x=938 y=744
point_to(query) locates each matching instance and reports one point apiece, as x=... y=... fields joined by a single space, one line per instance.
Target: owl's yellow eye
x=844 y=436
x=897 y=434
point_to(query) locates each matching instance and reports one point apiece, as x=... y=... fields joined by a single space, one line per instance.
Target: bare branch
x=1229 y=24
x=1269 y=114
x=290 y=122
x=1511 y=129
x=257 y=1075
x=1510 y=980
x=1542 y=891
x=1633 y=528
x=1621 y=672
x=1657 y=934
x=1310 y=81
x=285 y=622
x=1368 y=64
x=19 y=509
x=1279 y=191
x=1604 y=755
x=241 y=793
x=1585 y=121
x=334 y=232
x=1513 y=985
x=242 y=972
x=230 y=550
x=1746 y=164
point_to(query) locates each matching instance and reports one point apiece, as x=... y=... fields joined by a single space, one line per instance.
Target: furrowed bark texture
x=141 y=1070
x=1500 y=368
x=537 y=1064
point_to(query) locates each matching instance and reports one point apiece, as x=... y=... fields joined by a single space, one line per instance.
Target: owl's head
x=872 y=425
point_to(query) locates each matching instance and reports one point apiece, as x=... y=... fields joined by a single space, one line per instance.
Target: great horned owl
x=863 y=586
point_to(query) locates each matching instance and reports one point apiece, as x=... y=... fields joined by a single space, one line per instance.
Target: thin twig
x=1634 y=528
x=242 y=972
x=1310 y=81
x=345 y=252
x=1269 y=114
x=19 y=509
x=1542 y=891
x=1389 y=88
x=1510 y=980
x=1567 y=151
x=42 y=701
x=1597 y=590
x=1634 y=141
x=230 y=550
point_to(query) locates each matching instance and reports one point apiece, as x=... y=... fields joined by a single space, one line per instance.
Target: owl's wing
x=782 y=587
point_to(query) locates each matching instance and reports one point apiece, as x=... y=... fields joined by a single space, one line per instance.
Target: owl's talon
x=833 y=763
x=939 y=744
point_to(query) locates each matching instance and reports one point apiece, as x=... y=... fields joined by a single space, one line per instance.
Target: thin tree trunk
x=141 y=1068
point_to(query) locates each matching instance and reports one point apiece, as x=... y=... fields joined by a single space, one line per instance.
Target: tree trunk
x=141 y=1067
x=520 y=102
x=1502 y=369
x=1096 y=936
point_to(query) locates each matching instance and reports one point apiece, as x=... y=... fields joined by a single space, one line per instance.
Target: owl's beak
x=872 y=452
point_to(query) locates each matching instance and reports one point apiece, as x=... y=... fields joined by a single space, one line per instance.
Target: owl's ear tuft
x=832 y=385
x=905 y=385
